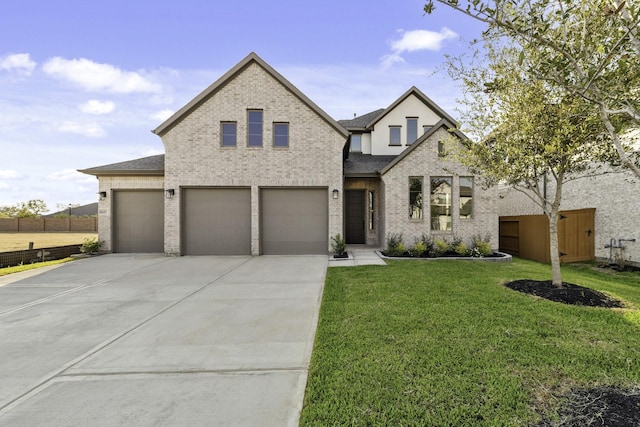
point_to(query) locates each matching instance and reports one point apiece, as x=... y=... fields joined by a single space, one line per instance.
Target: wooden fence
x=31 y=256
x=30 y=225
x=527 y=236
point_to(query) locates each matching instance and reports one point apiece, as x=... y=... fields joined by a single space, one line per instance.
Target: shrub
x=427 y=241
x=440 y=246
x=419 y=248
x=481 y=246
x=91 y=246
x=461 y=249
x=338 y=245
x=395 y=246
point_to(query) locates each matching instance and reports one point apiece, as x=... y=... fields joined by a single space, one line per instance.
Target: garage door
x=138 y=221
x=294 y=221
x=216 y=221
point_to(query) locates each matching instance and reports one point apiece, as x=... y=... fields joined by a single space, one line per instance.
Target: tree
x=536 y=133
x=587 y=48
x=30 y=209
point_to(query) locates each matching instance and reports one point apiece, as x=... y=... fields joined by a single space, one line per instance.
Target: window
x=441 y=203
x=412 y=130
x=356 y=143
x=426 y=129
x=229 y=134
x=371 y=211
x=415 y=197
x=281 y=135
x=441 y=152
x=394 y=135
x=254 y=135
x=466 y=197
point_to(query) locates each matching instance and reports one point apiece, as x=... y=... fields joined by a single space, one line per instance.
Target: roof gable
x=422 y=97
x=444 y=123
x=230 y=75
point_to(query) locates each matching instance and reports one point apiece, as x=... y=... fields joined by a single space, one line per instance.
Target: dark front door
x=354 y=230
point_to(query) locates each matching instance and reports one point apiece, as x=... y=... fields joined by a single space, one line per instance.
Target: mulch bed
x=601 y=406
x=567 y=294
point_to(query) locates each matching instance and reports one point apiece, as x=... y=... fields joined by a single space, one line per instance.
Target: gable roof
x=422 y=97
x=443 y=123
x=360 y=122
x=152 y=165
x=230 y=75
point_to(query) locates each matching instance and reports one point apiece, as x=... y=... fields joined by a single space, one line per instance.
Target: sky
x=82 y=83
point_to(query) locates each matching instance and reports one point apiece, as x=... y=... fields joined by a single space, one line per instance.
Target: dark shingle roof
x=360 y=122
x=152 y=165
x=365 y=164
x=84 y=210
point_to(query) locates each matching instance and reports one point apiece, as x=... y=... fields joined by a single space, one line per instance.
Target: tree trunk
x=556 y=274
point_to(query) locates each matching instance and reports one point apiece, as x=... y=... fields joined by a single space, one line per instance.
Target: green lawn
x=442 y=343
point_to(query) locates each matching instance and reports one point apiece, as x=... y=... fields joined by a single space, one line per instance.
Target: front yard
x=443 y=343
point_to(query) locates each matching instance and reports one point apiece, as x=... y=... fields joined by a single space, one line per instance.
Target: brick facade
x=424 y=162
x=194 y=156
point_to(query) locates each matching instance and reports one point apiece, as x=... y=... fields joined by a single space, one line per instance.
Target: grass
x=19 y=241
x=18 y=268
x=442 y=343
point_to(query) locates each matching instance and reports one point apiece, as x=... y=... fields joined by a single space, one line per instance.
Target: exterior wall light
x=102 y=195
x=170 y=193
x=335 y=193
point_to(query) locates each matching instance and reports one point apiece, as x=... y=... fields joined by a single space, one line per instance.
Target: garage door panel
x=294 y=221
x=217 y=221
x=138 y=225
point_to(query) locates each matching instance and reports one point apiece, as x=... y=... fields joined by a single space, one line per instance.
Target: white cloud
x=94 y=106
x=19 y=62
x=71 y=175
x=92 y=130
x=152 y=152
x=9 y=174
x=163 y=115
x=3 y=185
x=411 y=41
x=95 y=77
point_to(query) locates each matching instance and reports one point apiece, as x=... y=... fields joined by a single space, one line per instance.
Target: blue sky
x=82 y=83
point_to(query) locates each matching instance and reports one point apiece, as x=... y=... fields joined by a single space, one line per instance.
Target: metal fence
x=30 y=256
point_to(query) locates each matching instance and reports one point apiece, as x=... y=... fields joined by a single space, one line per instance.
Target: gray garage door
x=216 y=221
x=138 y=221
x=294 y=221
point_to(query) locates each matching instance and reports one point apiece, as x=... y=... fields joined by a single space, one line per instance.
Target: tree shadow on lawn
x=599 y=406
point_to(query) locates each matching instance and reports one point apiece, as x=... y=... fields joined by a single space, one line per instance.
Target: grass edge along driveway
x=445 y=344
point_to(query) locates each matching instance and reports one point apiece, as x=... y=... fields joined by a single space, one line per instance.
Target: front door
x=354 y=229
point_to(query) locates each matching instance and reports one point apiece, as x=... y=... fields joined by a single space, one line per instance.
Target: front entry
x=354 y=207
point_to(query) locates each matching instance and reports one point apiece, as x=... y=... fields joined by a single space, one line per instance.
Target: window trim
x=235 y=140
x=399 y=144
x=249 y=111
x=409 y=139
x=274 y=134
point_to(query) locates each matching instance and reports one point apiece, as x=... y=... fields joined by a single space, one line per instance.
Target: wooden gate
x=527 y=236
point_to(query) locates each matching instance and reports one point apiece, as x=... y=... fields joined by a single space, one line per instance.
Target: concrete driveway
x=148 y=340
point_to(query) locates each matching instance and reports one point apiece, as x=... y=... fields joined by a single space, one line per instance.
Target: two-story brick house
x=253 y=166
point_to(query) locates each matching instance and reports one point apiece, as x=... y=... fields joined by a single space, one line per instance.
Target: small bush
x=91 y=246
x=461 y=249
x=481 y=246
x=427 y=241
x=338 y=245
x=395 y=246
x=440 y=246
x=419 y=249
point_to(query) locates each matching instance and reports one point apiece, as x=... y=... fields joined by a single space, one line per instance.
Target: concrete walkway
x=358 y=255
x=148 y=340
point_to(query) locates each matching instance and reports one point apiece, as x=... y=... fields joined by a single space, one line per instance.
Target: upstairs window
x=394 y=135
x=229 y=134
x=426 y=128
x=412 y=130
x=281 y=135
x=441 y=152
x=356 y=143
x=254 y=134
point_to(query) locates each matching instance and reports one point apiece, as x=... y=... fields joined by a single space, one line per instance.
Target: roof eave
x=121 y=172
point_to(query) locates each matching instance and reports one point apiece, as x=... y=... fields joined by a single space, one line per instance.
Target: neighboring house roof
x=444 y=123
x=360 y=122
x=152 y=165
x=84 y=210
x=230 y=75
x=424 y=98
x=364 y=165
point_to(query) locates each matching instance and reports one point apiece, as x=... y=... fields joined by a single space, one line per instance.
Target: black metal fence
x=30 y=256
